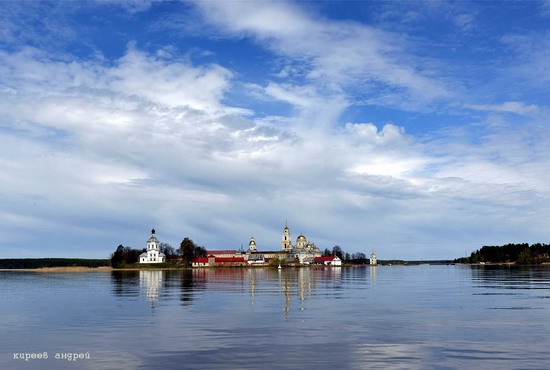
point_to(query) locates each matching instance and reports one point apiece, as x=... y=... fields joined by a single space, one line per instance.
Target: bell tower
x=152 y=243
x=286 y=238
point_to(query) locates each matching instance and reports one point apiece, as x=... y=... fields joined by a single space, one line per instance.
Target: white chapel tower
x=373 y=261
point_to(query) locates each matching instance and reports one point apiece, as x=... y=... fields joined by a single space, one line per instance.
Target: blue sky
x=418 y=129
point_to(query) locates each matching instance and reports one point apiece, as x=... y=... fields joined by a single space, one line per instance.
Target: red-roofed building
x=212 y=260
x=328 y=261
x=231 y=261
x=222 y=253
x=199 y=262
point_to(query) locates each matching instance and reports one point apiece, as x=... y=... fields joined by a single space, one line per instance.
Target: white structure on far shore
x=373 y=260
x=153 y=254
x=328 y=261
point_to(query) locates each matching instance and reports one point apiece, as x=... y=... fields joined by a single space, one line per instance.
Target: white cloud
x=168 y=82
x=507 y=107
x=465 y=21
x=133 y=6
x=368 y=132
x=337 y=53
x=301 y=96
x=151 y=77
x=313 y=108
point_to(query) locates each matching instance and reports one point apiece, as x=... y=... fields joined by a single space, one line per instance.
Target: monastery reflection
x=299 y=283
x=291 y=284
x=286 y=289
x=260 y=281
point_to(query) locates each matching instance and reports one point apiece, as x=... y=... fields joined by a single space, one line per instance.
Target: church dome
x=300 y=238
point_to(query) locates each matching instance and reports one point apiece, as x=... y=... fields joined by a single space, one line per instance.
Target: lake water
x=423 y=317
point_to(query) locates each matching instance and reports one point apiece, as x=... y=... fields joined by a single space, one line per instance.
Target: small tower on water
x=373 y=260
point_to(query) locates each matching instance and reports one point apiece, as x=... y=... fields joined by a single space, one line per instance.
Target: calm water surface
x=424 y=317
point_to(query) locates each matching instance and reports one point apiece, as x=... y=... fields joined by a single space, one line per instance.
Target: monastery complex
x=300 y=253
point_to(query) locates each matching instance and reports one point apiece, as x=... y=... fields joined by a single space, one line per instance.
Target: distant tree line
x=520 y=253
x=34 y=263
x=169 y=251
x=355 y=258
x=360 y=259
x=124 y=256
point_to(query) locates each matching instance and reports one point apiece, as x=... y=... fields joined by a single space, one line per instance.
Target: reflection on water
x=512 y=277
x=295 y=284
x=150 y=281
x=191 y=281
x=415 y=317
x=524 y=286
x=125 y=283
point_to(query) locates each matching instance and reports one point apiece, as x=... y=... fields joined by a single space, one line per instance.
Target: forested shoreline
x=35 y=263
x=522 y=253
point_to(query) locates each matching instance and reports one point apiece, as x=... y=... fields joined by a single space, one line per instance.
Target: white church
x=153 y=254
